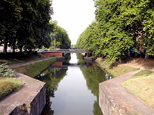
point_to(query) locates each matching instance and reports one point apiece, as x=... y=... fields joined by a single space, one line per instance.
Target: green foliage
x=119 y=26
x=25 y=23
x=9 y=85
x=4 y=71
x=52 y=77
x=80 y=59
x=87 y=39
x=60 y=36
x=10 y=12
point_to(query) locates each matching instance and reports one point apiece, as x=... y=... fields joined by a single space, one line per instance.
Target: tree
x=35 y=22
x=61 y=37
x=10 y=11
x=146 y=11
x=24 y=23
x=120 y=25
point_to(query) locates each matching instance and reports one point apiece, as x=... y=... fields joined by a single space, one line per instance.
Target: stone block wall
x=111 y=104
x=35 y=107
x=38 y=102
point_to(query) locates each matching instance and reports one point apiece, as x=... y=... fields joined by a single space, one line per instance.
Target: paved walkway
x=123 y=97
x=25 y=95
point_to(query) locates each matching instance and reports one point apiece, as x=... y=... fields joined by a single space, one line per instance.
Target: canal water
x=73 y=87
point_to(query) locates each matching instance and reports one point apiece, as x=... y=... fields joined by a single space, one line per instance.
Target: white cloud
x=73 y=15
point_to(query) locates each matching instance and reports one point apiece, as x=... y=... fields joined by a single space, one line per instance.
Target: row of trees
x=61 y=37
x=25 y=24
x=119 y=26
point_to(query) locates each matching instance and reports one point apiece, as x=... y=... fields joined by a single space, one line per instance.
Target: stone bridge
x=60 y=52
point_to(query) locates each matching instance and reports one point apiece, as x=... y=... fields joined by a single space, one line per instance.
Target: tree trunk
x=146 y=54
x=5 y=47
x=14 y=45
x=128 y=53
x=20 y=49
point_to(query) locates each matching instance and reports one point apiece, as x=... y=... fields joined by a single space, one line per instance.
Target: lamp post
x=54 y=40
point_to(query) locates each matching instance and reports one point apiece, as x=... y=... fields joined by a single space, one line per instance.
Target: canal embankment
x=114 y=99
x=30 y=99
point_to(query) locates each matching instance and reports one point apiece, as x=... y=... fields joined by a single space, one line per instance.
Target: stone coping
x=25 y=95
x=120 y=100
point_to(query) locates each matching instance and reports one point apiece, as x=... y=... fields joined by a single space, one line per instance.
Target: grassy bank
x=35 y=68
x=22 y=59
x=142 y=85
x=9 y=85
x=114 y=69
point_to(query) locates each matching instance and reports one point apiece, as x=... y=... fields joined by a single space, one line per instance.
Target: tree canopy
x=24 y=22
x=25 y=25
x=61 y=37
x=119 y=25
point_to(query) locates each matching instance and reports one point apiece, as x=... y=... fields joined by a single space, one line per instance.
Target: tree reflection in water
x=52 y=80
x=93 y=75
x=53 y=75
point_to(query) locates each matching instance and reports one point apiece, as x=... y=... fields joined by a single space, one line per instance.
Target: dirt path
x=141 y=63
x=138 y=66
x=23 y=64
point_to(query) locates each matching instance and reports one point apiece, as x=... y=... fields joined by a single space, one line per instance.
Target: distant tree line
x=120 y=26
x=60 y=37
x=24 y=24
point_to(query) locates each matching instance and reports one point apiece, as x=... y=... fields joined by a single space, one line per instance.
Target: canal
x=72 y=87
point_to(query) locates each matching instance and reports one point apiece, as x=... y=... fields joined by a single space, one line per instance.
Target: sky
x=74 y=16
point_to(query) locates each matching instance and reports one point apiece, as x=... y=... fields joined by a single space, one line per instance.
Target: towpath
x=121 y=97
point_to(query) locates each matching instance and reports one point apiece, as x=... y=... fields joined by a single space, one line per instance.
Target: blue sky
x=73 y=15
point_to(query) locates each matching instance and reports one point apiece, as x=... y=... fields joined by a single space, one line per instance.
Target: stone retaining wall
x=29 y=100
x=114 y=99
x=110 y=106
x=35 y=107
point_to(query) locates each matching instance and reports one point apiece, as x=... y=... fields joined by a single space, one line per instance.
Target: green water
x=73 y=87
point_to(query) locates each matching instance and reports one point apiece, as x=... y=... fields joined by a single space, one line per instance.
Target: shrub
x=4 y=71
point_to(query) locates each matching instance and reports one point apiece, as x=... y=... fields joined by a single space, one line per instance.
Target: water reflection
x=72 y=87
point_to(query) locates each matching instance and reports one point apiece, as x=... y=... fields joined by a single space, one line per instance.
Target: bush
x=4 y=71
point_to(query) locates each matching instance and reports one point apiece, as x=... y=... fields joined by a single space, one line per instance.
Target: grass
x=115 y=69
x=23 y=59
x=143 y=73
x=142 y=85
x=9 y=85
x=34 y=69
